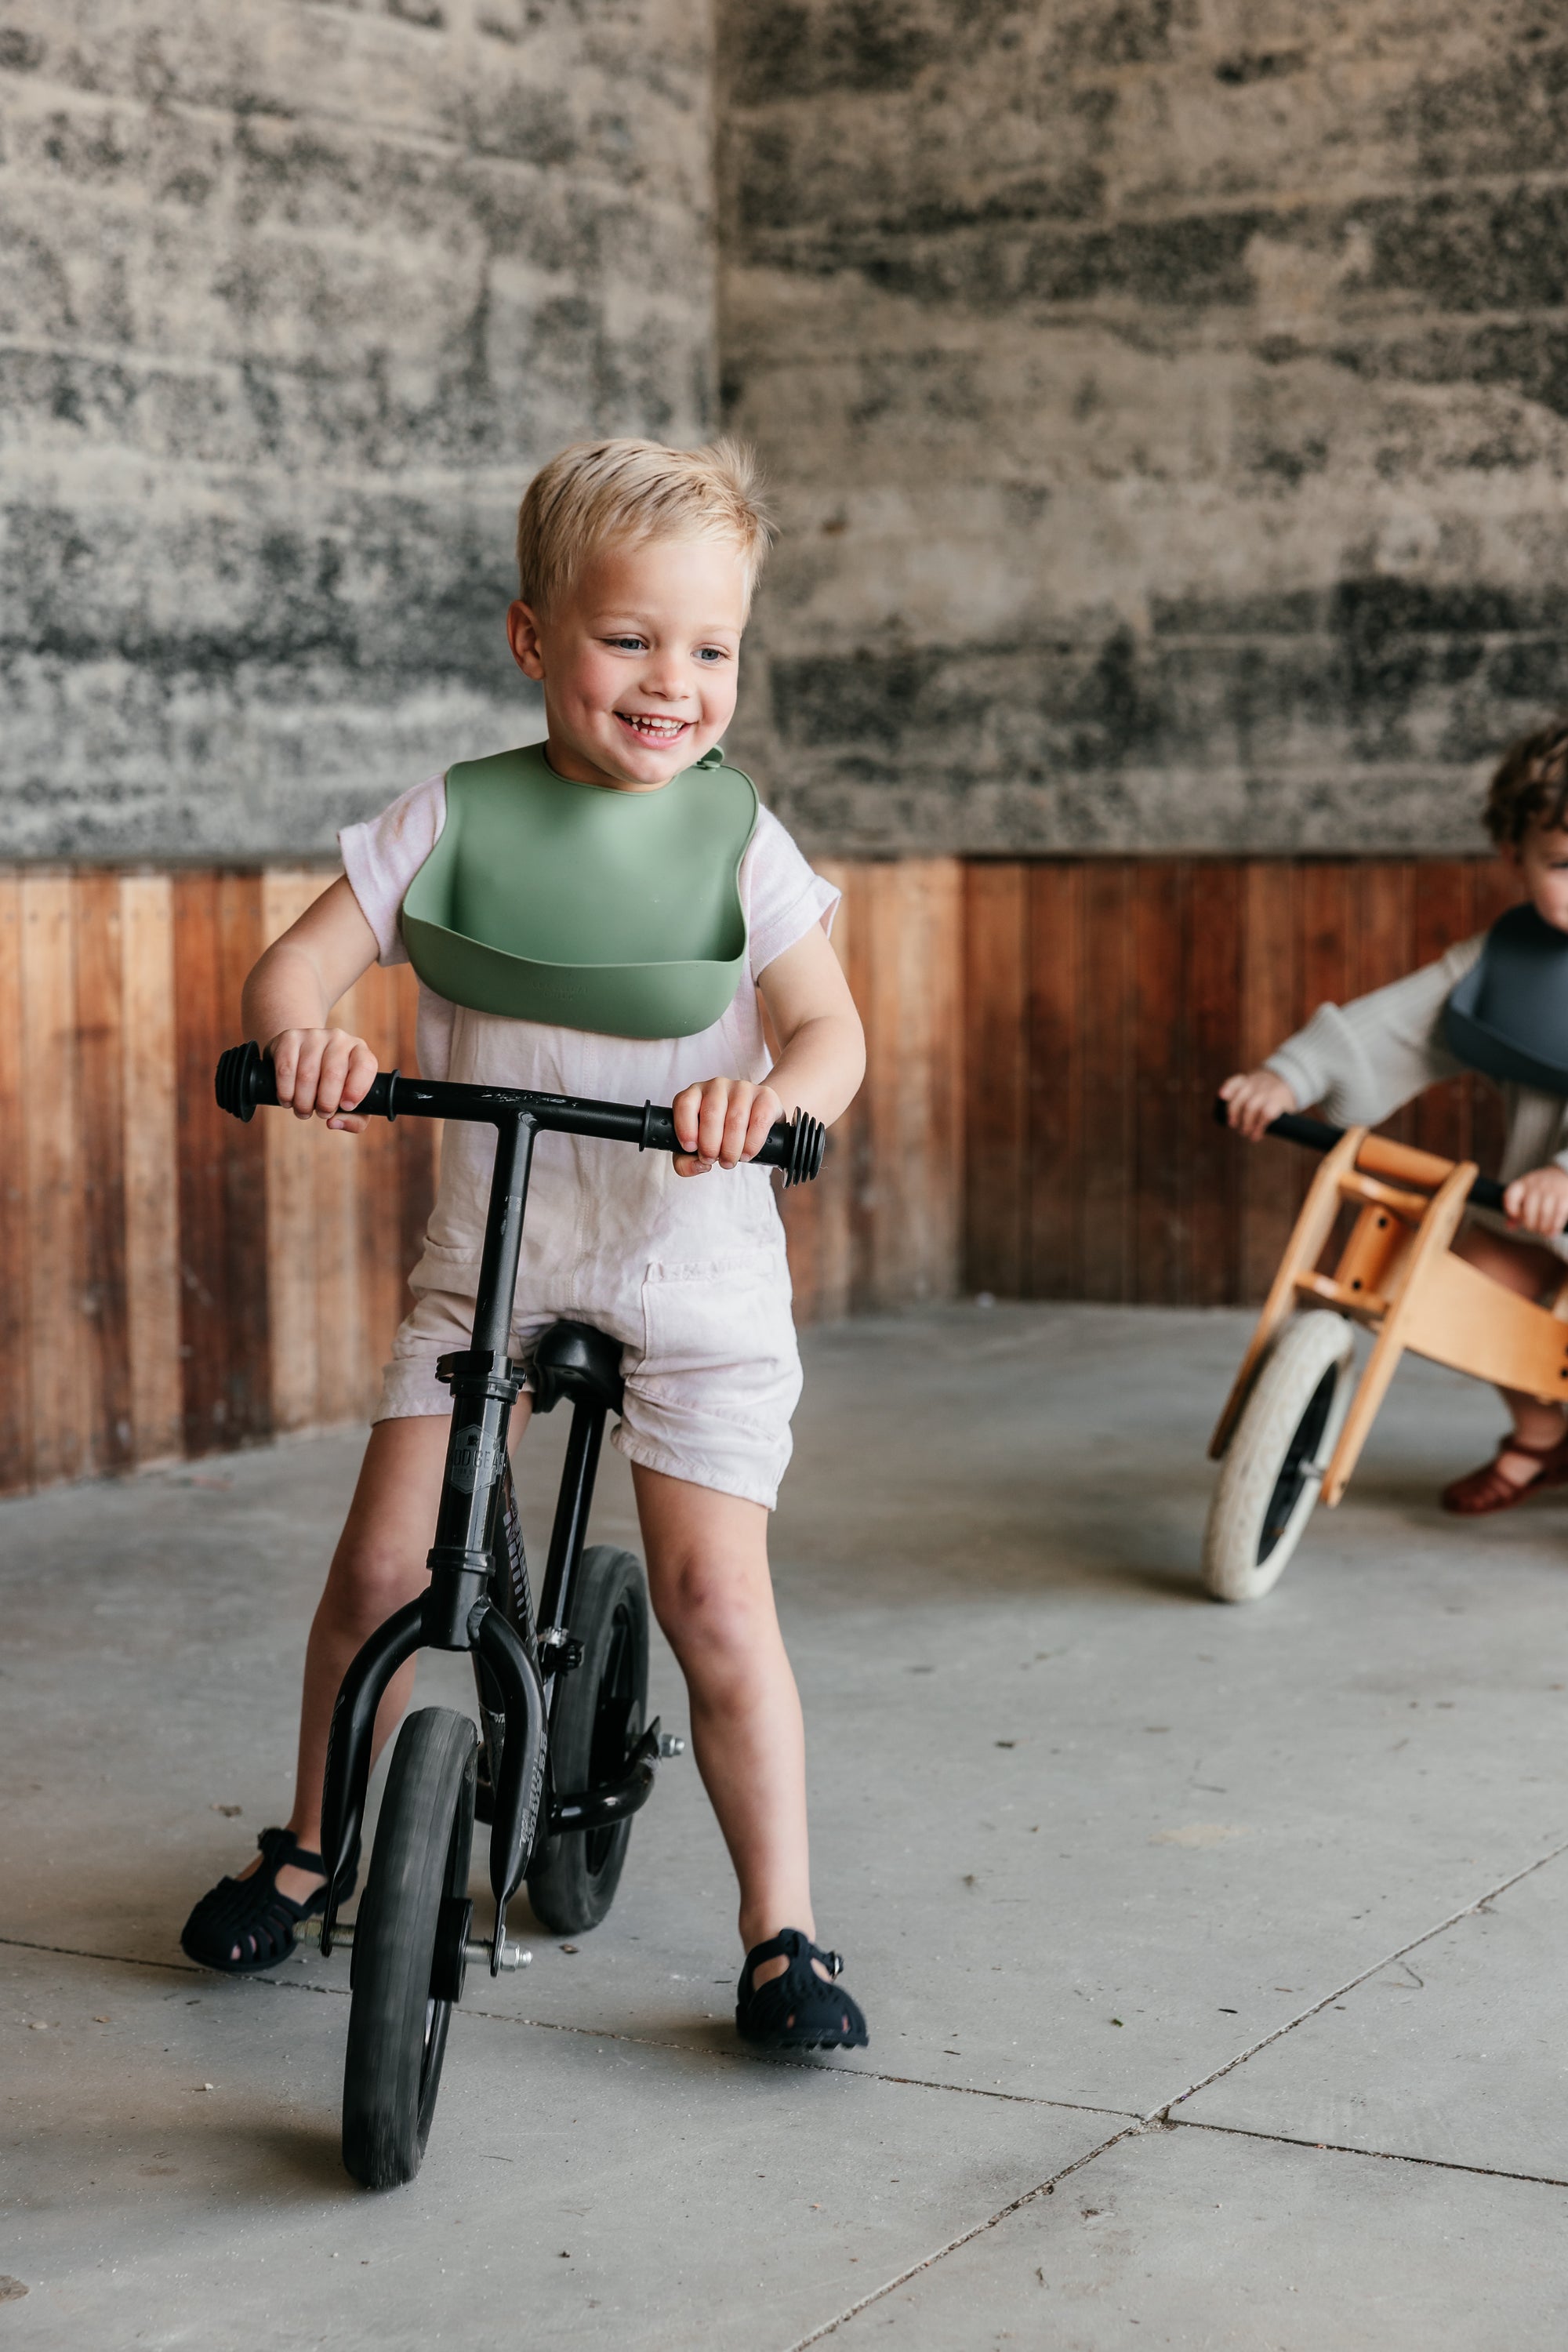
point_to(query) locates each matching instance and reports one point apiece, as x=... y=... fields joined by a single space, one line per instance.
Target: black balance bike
x=561 y=1760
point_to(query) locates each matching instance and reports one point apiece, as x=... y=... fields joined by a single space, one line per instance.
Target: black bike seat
x=573 y=1360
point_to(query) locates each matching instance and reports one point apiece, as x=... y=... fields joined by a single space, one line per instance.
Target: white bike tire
x=1263 y=1497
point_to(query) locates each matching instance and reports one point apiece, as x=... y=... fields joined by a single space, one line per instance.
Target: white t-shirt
x=591 y=1200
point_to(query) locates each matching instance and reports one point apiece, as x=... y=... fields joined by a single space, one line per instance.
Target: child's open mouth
x=656 y=732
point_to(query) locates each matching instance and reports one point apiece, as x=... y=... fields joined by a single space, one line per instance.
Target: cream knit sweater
x=1361 y=1061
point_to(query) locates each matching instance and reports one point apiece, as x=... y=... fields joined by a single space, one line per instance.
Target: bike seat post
x=484 y=1389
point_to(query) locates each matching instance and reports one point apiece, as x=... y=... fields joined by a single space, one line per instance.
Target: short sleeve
x=783 y=896
x=382 y=856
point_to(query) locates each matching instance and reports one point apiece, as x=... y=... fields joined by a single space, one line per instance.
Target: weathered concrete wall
x=1168 y=404
x=294 y=296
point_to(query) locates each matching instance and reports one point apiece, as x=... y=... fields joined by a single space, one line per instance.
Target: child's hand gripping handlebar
x=245 y=1078
x=1321 y=1135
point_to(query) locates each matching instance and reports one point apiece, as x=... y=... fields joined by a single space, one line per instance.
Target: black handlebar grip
x=800 y=1143
x=795 y=1145
x=245 y=1078
x=1290 y=1126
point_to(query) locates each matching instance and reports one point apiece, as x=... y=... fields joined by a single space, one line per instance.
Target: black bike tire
x=572 y=1881
x=397 y=2031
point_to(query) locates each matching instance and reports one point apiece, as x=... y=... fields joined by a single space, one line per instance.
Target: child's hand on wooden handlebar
x=322 y=1074
x=1253 y=1099
x=1537 y=1202
x=720 y=1123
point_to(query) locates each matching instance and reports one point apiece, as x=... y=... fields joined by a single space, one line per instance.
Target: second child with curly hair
x=1497 y=1002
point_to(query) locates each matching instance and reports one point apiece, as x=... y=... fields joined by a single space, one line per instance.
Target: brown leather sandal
x=1485 y=1489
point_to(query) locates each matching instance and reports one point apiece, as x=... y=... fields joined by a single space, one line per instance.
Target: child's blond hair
x=635 y=490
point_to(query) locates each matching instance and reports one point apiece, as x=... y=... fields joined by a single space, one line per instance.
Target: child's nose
x=665 y=676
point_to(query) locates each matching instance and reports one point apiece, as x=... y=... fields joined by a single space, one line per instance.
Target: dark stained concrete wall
x=1167 y=401
x=292 y=299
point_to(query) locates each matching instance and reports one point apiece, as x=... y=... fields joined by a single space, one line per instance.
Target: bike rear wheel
x=598 y=1721
x=408 y=1949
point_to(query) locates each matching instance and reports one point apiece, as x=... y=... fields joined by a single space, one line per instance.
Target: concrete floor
x=1210 y=1954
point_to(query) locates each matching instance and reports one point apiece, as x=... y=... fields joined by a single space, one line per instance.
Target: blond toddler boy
x=637 y=566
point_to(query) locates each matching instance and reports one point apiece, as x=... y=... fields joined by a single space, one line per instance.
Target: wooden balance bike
x=1297 y=1418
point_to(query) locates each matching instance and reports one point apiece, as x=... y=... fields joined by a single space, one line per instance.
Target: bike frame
x=478 y=1598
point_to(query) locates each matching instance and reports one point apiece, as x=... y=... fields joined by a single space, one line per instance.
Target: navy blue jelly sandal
x=251 y=1917
x=796 y=2010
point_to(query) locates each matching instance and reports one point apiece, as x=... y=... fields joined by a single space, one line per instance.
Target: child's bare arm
x=1253 y=1099
x=321 y=1072
x=822 y=1060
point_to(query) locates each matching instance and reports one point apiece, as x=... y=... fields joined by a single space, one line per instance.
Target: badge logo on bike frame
x=474 y=1460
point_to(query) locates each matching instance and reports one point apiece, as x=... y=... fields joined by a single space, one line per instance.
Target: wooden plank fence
x=1044 y=1038
x=1105 y=1000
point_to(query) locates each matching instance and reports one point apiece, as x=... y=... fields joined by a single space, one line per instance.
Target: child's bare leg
x=708 y=1575
x=1529 y=1270
x=380 y=1563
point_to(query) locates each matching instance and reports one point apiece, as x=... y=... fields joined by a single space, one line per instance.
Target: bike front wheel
x=1273 y=1467
x=408 y=1949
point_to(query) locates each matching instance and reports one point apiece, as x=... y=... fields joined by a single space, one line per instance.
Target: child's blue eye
x=629 y=645
x=710 y=653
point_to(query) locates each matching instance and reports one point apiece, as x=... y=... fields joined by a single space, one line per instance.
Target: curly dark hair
x=1531 y=785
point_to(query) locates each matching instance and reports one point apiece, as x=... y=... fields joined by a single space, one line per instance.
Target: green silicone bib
x=580 y=905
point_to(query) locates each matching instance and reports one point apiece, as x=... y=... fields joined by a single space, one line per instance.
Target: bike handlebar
x=1321 y=1135
x=245 y=1079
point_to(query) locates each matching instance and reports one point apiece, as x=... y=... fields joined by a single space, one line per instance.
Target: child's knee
x=709 y=1608
x=370 y=1577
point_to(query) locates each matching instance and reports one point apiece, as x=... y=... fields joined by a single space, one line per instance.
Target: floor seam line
x=966 y=2237
x=1373 y=2155
x=113 y=1960
x=1466 y=1911
x=597 y=2033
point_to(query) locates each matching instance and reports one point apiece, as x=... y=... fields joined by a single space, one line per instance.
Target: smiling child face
x=637 y=660
x=1540 y=861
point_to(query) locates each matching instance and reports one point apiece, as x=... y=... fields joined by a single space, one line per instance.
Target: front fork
x=456 y=1613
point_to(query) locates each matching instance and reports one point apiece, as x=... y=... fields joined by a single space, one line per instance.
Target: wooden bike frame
x=1397 y=1277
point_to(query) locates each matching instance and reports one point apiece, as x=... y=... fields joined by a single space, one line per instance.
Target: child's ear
x=523 y=636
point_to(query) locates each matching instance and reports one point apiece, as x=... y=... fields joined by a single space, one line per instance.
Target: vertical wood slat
x=1161 y=1075
x=58 y=1367
x=16 y=1209
x=1108 y=1126
x=290 y=1146
x=151 y=1156
x=1214 y=933
x=1055 y=1227
x=100 y=1195
x=249 y=1387
x=906 y=958
x=996 y=1076
x=1269 y=1011
x=203 y=1351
